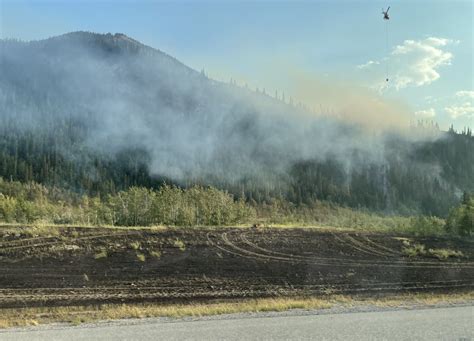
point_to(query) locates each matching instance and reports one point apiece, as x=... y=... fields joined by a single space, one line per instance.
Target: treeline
x=137 y=206
x=207 y=206
x=419 y=178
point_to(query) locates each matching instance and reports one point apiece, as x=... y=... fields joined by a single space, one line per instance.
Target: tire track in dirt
x=219 y=263
x=62 y=241
x=314 y=257
x=239 y=251
x=47 y=296
x=72 y=290
x=33 y=239
x=355 y=246
x=366 y=247
x=382 y=247
x=346 y=260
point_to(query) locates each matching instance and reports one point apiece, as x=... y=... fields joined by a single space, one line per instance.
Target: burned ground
x=74 y=265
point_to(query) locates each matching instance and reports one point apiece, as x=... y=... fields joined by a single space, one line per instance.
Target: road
x=455 y=323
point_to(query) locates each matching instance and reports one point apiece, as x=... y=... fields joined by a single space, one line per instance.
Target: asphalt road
x=454 y=323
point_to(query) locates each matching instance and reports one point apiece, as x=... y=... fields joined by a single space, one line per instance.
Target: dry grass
x=47 y=228
x=81 y=314
x=421 y=299
x=34 y=316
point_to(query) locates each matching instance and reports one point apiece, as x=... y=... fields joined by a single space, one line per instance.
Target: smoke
x=129 y=96
x=347 y=101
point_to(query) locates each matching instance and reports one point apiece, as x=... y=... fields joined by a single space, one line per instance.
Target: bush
x=443 y=254
x=426 y=226
x=137 y=206
x=132 y=207
x=415 y=250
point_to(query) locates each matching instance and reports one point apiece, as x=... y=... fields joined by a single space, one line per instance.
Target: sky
x=304 y=49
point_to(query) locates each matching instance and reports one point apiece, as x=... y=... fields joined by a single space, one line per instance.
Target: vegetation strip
x=81 y=314
x=32 y=203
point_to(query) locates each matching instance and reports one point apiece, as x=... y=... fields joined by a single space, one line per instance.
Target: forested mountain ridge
x=98 y=113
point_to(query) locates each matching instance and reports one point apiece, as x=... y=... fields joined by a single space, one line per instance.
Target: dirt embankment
x=64 y=266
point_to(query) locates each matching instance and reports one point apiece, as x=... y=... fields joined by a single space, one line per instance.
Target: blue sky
x=280 y=45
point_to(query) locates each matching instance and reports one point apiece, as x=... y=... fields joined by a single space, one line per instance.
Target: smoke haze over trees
x=100 y=113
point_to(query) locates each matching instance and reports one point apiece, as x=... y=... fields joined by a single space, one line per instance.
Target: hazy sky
x=426 y=47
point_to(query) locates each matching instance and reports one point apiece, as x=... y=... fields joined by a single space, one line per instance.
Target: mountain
x=100 y=112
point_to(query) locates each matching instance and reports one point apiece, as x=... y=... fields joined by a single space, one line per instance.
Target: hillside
x=98 y=113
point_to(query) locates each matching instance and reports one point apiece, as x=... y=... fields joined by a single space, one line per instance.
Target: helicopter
x=386 y=17
x=385 y=14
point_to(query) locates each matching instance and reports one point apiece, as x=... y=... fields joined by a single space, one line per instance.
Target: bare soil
x=80 y=266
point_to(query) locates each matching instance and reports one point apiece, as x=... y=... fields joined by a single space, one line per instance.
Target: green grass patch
x=141 y=257
x=100 y=255
x=443 y=254
x=179 y=244
x=155 y=254
x=134 y=245
x=415 y=250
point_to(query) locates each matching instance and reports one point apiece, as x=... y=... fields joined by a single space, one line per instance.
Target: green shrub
x=141 y=257
x=155 y=254
x=179 y=244
x=134 y=245
x=415 y=250
x=101 y=254
x=443 y=254
x=206 y=206
x=426 y=226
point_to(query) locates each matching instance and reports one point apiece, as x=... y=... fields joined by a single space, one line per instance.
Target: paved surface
x=423 y=324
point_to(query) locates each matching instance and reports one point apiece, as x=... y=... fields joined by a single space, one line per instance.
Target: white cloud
x=433 y=41
x=368 y=64
x=416 y=62
x=465 y=109
x=465 y=93
x=427 y=113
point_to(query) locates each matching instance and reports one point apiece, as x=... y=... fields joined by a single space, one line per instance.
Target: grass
x=155 y=254
x=443 y=254
x=350 y=223
x=101 y=254
x=135 y=245
x=179 y=244
x=41 y=229
x=415 y=250
x=81 y=314
x=419 y=250
x=424 y=299
x=141 y=257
